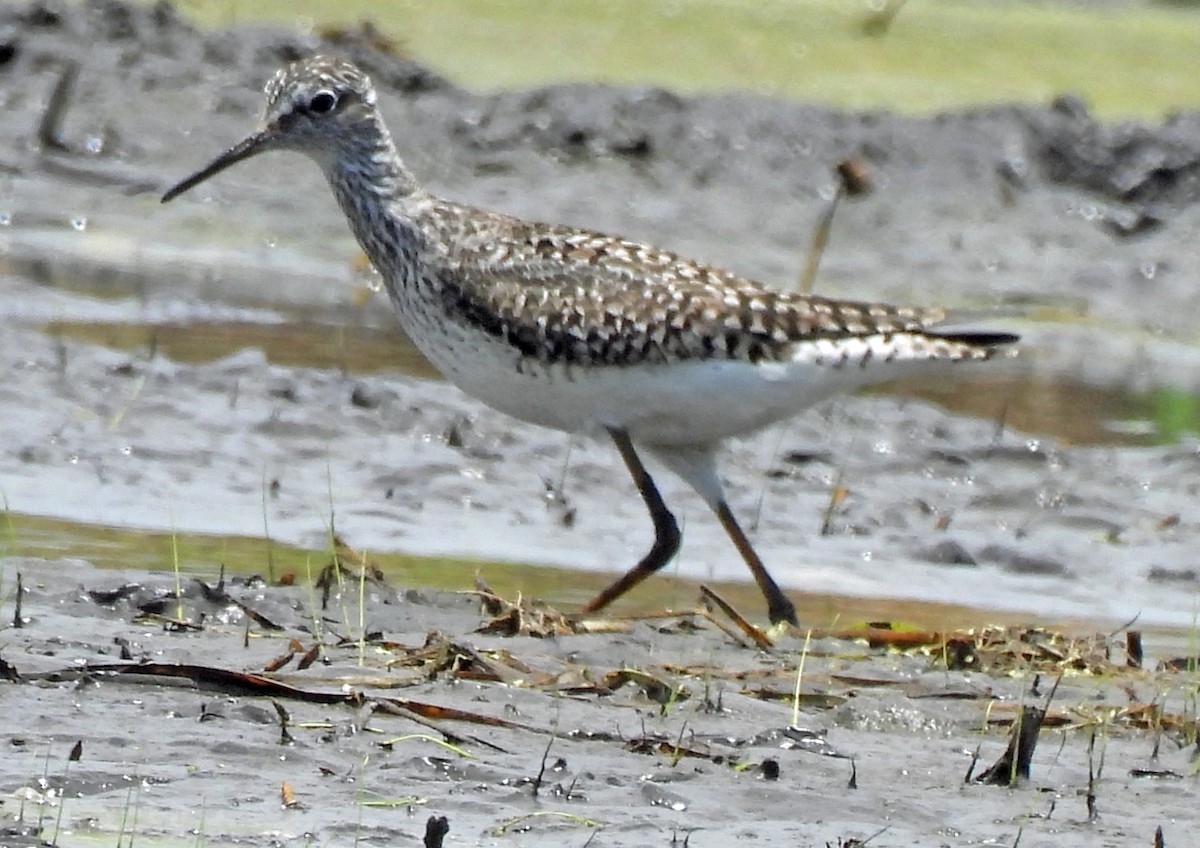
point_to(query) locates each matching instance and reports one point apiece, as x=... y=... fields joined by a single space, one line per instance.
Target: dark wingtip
x=978 y=338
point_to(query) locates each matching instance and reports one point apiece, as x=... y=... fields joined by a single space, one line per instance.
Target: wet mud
x=138 y=393
x=258 y=714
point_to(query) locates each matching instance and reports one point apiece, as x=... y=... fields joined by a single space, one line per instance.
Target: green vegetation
x=1176 y=414
x=202 y=556
x=1125 y=59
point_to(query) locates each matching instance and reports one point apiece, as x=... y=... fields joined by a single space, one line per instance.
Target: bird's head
x=322 y=107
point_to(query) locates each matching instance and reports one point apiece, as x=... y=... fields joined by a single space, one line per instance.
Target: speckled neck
x=373 y=187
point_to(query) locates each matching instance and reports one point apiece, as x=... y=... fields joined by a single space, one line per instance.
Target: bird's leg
x=779 y=608
x=697 y=465
x=666 y=530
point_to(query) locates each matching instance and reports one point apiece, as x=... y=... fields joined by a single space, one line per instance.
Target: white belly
x=683 y=403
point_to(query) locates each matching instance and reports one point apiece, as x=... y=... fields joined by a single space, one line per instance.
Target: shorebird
x=582 y=331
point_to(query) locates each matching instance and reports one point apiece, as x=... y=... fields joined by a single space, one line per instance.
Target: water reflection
x=1056 y=407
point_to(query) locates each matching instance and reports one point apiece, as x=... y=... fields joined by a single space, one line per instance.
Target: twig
x=755 y=633
x=537 y=781
x=852 y=180
x=17 y=620
x=1019 y=753
x=50 y=126
x=878 y=22
x=285 y=736
x=435 y=831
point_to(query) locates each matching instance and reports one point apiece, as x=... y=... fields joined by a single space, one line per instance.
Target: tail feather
x=975 y=338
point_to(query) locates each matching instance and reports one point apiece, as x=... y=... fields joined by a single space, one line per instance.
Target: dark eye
x=322 y=102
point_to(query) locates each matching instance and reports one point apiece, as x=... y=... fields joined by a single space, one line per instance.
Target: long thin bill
x=242 y=150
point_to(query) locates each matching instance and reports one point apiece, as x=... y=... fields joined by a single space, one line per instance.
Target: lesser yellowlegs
x=581 y=331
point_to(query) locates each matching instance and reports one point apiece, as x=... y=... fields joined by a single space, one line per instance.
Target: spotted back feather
x=558 y=294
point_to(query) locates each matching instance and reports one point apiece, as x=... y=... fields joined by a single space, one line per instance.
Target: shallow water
x=214 y=366
x=238 y=426
x=1042 y=405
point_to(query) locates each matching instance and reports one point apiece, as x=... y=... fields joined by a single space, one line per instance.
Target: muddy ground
x=659 y=730
x=1082 y=233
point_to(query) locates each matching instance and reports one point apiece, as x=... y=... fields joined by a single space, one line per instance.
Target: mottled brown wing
x=560 y=294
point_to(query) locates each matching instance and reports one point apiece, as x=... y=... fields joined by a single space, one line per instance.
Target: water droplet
x=1149 y=270
x=1033 y=445
x=1017 y=165
x=127 y=450
x=375 y=283
x=94 y=144
x=79 y=223
x=868 y=556
x=5 y=219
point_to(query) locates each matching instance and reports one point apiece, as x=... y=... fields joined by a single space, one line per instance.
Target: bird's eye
x=322 y=102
